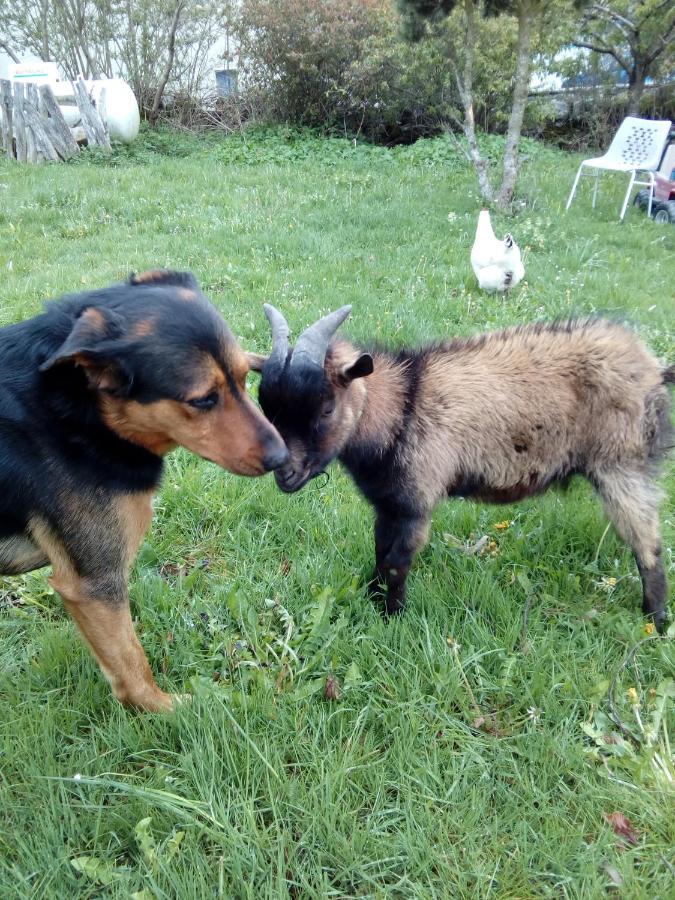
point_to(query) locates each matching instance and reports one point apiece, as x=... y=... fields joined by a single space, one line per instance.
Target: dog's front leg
x=107 y=628
x=91 y=556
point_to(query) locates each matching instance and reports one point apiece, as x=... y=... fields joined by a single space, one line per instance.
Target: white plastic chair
x=637 y=147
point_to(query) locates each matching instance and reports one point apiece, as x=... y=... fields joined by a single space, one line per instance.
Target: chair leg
x=595 y=187
x=651 y=194
x=628 y=192
x=574 y=186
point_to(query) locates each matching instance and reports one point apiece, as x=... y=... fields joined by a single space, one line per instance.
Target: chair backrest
x=639 y=142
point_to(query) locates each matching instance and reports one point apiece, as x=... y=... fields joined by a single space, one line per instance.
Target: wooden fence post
x=7 y=118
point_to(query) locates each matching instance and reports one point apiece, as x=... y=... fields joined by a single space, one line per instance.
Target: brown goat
x=496 y=417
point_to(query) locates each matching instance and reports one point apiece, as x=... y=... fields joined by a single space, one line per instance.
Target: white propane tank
x=120 y=112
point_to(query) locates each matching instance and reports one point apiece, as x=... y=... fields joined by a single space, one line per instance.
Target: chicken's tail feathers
x=484 y=227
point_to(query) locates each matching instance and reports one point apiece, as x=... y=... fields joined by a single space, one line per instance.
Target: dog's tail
x=669 y=375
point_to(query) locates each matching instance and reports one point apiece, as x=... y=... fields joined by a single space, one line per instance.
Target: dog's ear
x=256 y=361
x=166 y=277
x=96 y=343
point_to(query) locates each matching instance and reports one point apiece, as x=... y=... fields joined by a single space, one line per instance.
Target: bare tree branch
x=602 y=48
x=8 y=50
x=607 y=13
x=629 y=36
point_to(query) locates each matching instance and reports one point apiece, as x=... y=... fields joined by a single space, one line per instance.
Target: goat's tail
x=669 y=375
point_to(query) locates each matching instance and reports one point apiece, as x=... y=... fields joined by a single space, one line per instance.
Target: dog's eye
x=207 y=402
x=328 y=410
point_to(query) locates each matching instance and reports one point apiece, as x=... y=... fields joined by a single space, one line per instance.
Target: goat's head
x=310 y=393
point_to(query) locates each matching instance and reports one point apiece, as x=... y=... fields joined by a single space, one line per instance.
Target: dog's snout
x=275 y=455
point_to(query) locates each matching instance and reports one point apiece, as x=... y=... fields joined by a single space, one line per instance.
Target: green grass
x=252 y=599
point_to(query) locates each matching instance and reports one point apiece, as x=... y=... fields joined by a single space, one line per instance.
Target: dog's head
x=166 y=371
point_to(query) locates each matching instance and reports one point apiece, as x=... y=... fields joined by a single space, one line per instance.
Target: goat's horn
x=312 y=344
x=280 y=333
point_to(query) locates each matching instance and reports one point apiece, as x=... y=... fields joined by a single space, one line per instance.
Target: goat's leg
x=632 y=503
x=398 y=537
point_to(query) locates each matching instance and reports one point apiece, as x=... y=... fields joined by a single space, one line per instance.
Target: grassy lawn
x=480 y=766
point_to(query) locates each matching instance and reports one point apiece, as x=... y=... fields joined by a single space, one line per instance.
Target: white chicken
x=497 y=264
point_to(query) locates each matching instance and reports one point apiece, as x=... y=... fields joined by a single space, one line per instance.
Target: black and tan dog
x=93 y=393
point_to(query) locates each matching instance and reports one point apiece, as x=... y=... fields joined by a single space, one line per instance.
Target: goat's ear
x=256 y=361
x=95 y=344
x=359 y=368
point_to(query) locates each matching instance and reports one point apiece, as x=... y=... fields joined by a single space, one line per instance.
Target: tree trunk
x=636 y=86
x=519 y=101
x=154 y=111
x=44 y=20
x=465 y=86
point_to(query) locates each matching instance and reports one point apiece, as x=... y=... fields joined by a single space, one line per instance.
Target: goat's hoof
x=393 y=607
x=660 y=621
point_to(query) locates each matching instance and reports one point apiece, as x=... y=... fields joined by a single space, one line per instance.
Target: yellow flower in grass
x=649 y=628
x=502 y=526
x=632 y=696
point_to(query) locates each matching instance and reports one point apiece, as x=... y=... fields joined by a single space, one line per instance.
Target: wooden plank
x=51 y=141
x=39 y=125
x=31 y=149
x=92 y=123
x=32 y=119
x=101 y=109
x=19 y=124
x=42 y=109
x=7 y=117
x=48 y=148
x=57 y=128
